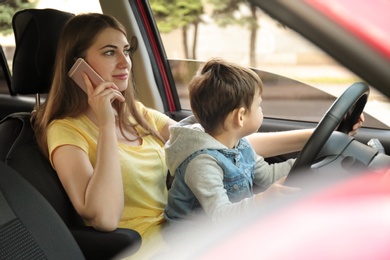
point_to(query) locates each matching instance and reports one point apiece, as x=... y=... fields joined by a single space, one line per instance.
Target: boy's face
x=255 y=115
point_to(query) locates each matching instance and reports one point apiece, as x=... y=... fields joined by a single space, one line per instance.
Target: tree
x=174 y=14
x=8 y=9
x=227 y=12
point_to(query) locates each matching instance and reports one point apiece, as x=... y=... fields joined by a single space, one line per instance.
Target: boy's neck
x=227 y=138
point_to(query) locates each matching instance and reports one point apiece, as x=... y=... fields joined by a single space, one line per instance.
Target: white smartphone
x=76 y=74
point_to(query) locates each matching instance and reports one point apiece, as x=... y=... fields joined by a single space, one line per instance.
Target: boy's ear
x=239 y=116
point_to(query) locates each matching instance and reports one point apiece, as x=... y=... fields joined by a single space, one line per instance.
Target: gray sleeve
x=205 y=179
x=266 y=174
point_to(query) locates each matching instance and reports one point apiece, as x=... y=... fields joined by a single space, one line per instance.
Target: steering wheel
x=343 y=114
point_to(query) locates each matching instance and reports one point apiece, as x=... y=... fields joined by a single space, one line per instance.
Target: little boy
x=213 y=164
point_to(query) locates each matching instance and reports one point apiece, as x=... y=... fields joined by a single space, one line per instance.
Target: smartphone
x=76 y=74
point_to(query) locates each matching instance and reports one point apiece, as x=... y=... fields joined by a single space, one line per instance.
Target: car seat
x=36 y=36
x=29 y=227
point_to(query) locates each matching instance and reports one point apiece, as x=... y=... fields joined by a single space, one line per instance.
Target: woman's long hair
x=66 y=99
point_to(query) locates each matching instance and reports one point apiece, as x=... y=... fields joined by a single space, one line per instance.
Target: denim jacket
x=238 y=168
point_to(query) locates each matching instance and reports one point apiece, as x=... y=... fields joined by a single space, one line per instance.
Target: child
x=213 y=163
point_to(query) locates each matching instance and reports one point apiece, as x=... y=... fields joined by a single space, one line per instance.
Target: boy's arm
x=266 y=174
x=277 y=143
x=205 y=179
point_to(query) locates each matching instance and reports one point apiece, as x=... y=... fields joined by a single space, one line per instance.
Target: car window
x=300 y=81
x=279 y=93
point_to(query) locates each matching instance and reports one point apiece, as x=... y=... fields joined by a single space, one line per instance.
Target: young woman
x=106 y=147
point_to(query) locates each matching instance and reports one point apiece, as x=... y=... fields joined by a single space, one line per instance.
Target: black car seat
x=29 y=227
x=36 y=36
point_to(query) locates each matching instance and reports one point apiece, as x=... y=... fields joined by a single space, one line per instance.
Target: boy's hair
x=219 y=88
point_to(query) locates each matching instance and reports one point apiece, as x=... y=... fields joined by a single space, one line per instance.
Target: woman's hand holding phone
x=81 y=67
x=98 y=91
x=99 y=100
x=78 y=68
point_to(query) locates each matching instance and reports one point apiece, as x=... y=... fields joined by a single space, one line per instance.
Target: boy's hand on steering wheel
x=276 y=191
x=356 y=126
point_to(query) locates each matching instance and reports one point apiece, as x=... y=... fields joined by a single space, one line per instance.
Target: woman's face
x=109 y=56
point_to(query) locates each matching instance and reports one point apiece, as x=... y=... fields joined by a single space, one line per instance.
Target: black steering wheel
x=342 y=115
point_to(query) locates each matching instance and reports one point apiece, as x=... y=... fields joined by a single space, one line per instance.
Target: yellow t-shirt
x=143 y=168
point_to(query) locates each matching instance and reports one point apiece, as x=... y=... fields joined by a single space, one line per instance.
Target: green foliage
x=174 y=14
x=8 y=8
x=224 y=11
x=228 y=12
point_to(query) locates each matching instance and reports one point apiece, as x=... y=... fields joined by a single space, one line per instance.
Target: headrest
x=36 y=37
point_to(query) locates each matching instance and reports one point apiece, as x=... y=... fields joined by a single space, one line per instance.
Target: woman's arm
x=165 y=130
x=96 y=191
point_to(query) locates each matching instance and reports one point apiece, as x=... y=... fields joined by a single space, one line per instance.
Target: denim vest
x=238 y=166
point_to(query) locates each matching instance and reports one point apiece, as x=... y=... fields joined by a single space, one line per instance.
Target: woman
x=106 y=147
x=108 y=155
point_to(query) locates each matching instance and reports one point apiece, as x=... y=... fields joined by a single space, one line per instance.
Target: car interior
x=38 y=216
x=36 y=42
